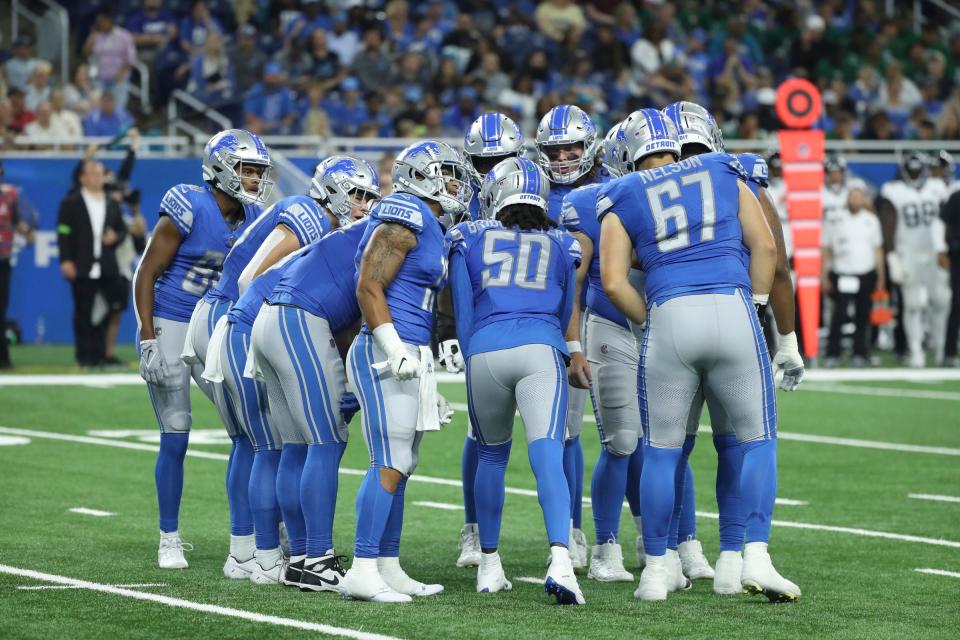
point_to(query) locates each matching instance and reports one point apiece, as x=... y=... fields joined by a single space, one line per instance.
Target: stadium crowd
x=399 y=68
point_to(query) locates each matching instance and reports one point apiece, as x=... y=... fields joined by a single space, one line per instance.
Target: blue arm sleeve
x=569 y=294
x=462 y=299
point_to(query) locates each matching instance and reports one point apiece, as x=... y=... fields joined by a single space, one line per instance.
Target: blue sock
x=318 y=494
x=390 y=543
x=289 y=471
x=238 y=486
x=688 y=509
x=682 y=487
x=758 y=488
x=633 y=480
x=168 y=475
x=374 y=504
x=607 y=488
x=657 y=493
x=573 y=470
x=546 y=460
x=729 y=462
x=263 y=498
x=468 y=473
x=489 y=490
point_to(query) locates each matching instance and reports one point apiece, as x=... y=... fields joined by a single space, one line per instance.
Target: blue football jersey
x=474 y=207
x=301 y=214
x=517 y=285
x=580 y=215
x=205 y=239
x=755 y=167
x=683 y=221
x=412 y=295
x=559 y=191
x=244 y=311
x=323 y=281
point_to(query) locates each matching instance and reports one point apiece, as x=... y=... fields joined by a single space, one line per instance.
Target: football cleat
x=759 y=576
x=170 y=554
x=726 y=580
x=490 y=576
x=653 y=581
x=323 y=574
x=676 y=581
x=695 y=564
x=578 y=548
x=364 y=582
x=269 y=568
x=469 y=546
x=606 y=564
x=293 y=573
x=398 y=580
x=561 y=581
x=236 y=570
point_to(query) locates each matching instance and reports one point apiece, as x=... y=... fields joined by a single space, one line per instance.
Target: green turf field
x=855 y=584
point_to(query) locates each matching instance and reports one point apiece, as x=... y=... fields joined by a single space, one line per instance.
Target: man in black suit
x=89 y=227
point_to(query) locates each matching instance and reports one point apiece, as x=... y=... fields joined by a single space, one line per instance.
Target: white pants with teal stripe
x=303 y=373
x=708 y=344
x=388 y=407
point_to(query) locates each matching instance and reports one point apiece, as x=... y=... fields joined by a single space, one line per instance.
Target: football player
x=944 y=169
x=689 y=223
x=184 y=258
x=491 y=138
x=909 y=210
x=837 y=184
x=513 y=281
x=402 y=264
x=567 y=149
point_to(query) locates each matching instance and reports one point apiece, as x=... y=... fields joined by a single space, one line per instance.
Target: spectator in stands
x=898 y=95
x=561 y=20
x=6 y=133
x=310 y=19
x=150 y=28
x=316 y=120
x=65 y=121
x=348 y=110
x=38 y=89
x=270 y=107
x=808 y=49
x=42 y=130
x=10 y=224
x=372 y=65
x=325 y=65
x=113 y=53
x=397 y=25
x=20 y=116
x=109 y=120
x=81 y=95
x=195 y=27
x=343 y=40
x=211 y=74
x=248 y=59
x=19 y=68
x=496 y=80
x=853 y=268
x=519 y=98
x=296 y=62
x=89 y=227
x=459 y=116
x=171 y=69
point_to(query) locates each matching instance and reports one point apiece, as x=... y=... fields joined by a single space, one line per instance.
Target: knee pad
x=172 y=407
x=622 y=443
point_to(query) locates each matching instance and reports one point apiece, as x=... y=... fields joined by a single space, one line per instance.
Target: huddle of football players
x=634 y=268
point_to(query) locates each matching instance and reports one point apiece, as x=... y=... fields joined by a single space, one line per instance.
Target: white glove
x=152 y=367
x=451 y=356
x=787 y=364
x=403 y=365
x=444 y=410
x=895 y=268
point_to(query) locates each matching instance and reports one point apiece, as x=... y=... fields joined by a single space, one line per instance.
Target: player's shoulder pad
x=611 y=193
x=756 y=168
x=727 y=162
x=569 y=244
x=403 y=208
x=304 y=216
x=577 y=203
x=179 y=204
x=462 y=234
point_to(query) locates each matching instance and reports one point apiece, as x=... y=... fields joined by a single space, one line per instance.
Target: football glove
x=451 y=357
x=788 y=365
x=349 y=405
x=444 y=410
x=152 y=367
x=403 y=365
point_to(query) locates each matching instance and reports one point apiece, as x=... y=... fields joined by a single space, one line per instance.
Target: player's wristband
x=761 y=299
x=574 y=346
x=388 y=339
x=788 y=342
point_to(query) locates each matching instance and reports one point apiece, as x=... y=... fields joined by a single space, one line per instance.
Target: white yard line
x=933 y=497
x=456 y=483
x=787 y=502
x=939 y=572
x=446 y=506
x=180 y=603
x=58 y=587
x=529 y=580
x=91 y=512
x=883 y=392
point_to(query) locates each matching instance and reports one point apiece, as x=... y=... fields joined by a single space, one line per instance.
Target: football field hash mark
x=180 y=603
x=91 y=512
x=52 y=435
x=939 y=572
x=933 y=497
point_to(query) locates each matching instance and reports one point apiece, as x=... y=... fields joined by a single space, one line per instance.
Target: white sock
x=267 y=558
x=242 y=547
x=754 y=549
x=653 y=561
x=638 y=520
x=560 y=558
x=294 y=559
x=170 y=535
x=364 y=566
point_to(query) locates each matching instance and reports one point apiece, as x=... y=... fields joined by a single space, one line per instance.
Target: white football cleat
x=561 y=581
x=237 y=570
x=653 y=580
x=676 y=581
x=269 y=567
x=364 y=582
x=695 y=564
x=469 y=546
x=726 y=580
x=490 y=576
x=398 y=580
x=170 y=554
x=759 y=576
x=578 y=548
x=606 y=563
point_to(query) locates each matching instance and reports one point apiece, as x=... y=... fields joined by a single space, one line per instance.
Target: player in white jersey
x=837 y=184
x=914 y=233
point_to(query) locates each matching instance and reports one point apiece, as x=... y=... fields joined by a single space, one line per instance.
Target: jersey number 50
x=680 y=238
x=516 y=270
